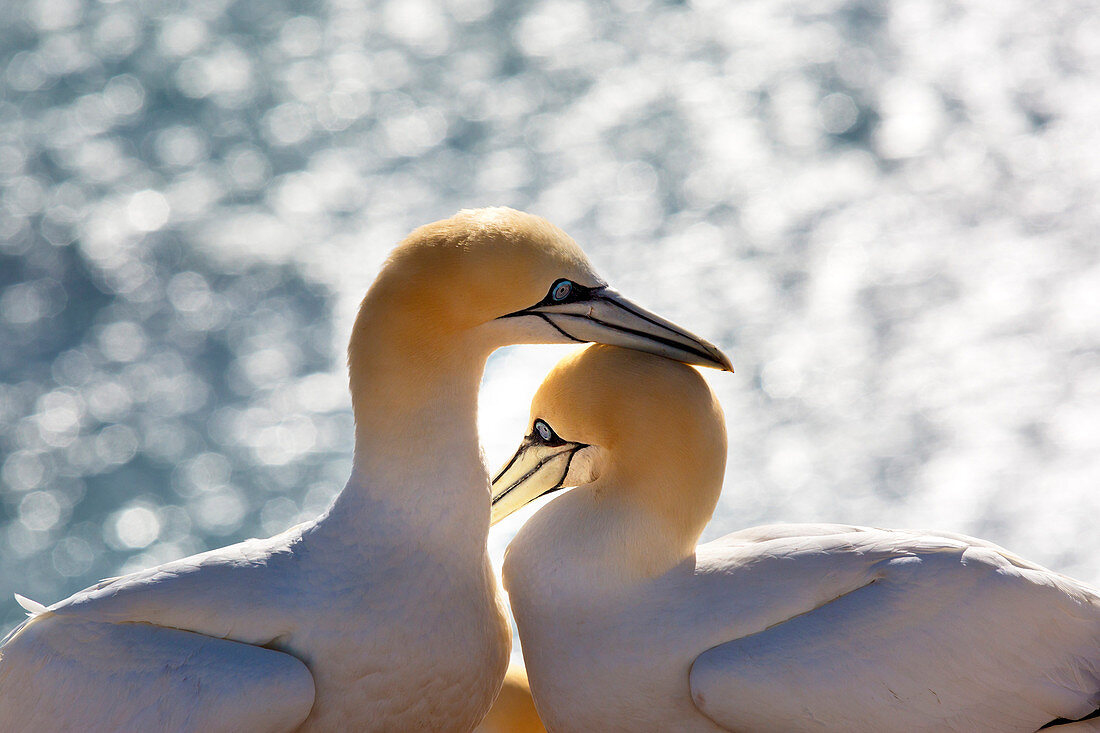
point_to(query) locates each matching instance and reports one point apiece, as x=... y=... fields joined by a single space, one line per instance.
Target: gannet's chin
x=601 y=315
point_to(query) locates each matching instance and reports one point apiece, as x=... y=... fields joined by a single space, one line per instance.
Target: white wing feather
x=69 y=674
x=174 y=647
x=940 y=632
x=33 y=608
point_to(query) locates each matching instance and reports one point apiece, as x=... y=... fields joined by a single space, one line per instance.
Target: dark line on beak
x=623 y=306
x=686 y=347
x=528 y=475
x=565 y=474
x=572 y=452
x=559 y=329
x=652 y=337
x=512 y=462
x=579 y=294
x=543 y=316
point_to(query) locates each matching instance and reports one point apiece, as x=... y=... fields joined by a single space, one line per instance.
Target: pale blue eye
x=543 y=430
x=561 y=290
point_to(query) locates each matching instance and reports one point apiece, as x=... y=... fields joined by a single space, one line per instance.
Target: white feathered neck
x=418 y=468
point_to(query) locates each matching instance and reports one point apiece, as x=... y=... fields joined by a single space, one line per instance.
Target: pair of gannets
x=383 y=614
x=626 y=625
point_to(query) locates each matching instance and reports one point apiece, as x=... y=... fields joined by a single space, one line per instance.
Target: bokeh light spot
x=148 y=210
x=136 y=527
x=39 y=511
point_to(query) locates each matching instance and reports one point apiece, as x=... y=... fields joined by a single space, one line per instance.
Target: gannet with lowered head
x=382 y=614
x=626 y=625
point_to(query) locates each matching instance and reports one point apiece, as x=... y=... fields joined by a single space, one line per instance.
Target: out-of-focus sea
x=886 y=211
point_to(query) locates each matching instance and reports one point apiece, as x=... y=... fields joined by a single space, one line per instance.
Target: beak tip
x=723 y=362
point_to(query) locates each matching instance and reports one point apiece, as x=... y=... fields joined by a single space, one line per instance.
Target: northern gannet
x=513 y=711
x=626 y=625
x=382 y=614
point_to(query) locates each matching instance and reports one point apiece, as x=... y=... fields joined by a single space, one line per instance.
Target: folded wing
x=69 y=674
x=948 y=633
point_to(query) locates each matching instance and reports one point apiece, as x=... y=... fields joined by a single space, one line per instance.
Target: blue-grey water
x=887 y=212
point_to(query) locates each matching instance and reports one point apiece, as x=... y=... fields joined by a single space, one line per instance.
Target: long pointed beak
x=535 y=470
x=606 y=317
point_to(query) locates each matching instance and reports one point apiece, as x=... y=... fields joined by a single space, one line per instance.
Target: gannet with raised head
x=382 y=614
x=626 y=625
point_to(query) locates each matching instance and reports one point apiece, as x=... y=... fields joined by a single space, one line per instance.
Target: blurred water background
x=886 y=211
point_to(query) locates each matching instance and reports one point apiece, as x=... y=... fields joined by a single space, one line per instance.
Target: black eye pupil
x=561 y=290
x=544 y=430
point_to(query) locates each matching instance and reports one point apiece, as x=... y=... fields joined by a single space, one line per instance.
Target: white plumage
x=627 y=625
x=382 y=614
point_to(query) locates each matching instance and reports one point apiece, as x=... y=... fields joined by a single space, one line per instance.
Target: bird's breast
x=437 y=633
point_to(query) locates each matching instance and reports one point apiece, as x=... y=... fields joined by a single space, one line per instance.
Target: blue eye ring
x=561 y=290
x=543 y=431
